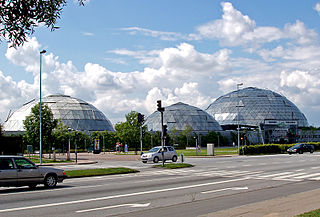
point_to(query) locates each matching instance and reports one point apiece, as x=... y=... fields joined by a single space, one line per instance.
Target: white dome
x=74 y=113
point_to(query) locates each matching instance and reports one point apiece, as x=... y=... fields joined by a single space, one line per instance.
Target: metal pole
x=104 y=147
x=140 y=140
x=41 y=52
x=68 y=154
x=75 y=148
x=162 y=138
x=238 y=85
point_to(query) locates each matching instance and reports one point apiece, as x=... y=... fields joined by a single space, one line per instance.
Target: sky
x=124 y=55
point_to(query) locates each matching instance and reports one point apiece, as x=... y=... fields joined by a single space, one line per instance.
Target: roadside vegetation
x=173 y=165
x=36 y=159
x=99 y=172
x=314 y=213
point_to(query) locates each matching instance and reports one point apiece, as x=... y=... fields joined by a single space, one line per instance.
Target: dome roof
x=74 y=113
x=179 y=116
x=255 y=106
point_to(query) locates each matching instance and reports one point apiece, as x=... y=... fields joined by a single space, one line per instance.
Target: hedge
x=272 y=148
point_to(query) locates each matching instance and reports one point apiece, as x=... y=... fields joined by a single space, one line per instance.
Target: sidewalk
x=288 y=206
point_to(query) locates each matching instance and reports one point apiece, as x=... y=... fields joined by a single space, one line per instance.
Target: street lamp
x=238 y=86
x=41 y=52
x=68 y=154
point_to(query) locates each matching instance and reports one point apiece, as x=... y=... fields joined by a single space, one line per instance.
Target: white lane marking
x=225 y=189
x=307 y=176
x=134 y=205
x=314 y=168
x=289 y=176
x=275 y=174
x=299 y=170
x=317 y=178
x=119 y=196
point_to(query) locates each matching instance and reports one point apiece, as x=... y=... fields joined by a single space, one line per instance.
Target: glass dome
x=74 y=113
x=255 y=106
x=179 y=116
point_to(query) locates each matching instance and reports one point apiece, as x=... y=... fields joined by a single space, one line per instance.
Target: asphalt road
x=213 y=185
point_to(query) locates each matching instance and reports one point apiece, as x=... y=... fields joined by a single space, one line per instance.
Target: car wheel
x=174 y=159
x=33 y=186
x=155 y=160
x=311 y=151
x=300 y=152
x=144 y=162
x=50 y=181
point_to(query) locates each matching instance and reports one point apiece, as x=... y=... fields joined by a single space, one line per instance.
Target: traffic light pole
x=141 y=140
x=161 y=110
x=162 y=138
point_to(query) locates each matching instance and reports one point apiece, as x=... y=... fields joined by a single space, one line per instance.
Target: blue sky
x=123 y=55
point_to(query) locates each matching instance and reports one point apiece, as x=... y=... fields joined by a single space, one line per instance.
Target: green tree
x=19 y=18
x=60 y=135
x=32 y=126
x=129 y=131
x=187 y=132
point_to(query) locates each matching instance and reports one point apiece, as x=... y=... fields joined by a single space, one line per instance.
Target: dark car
x=20 y=171
x=300 y=148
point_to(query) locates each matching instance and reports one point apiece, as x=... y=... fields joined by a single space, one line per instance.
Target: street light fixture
x=41 y=52
x=238 y=86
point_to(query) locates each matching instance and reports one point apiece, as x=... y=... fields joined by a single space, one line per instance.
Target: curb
x=69 y=163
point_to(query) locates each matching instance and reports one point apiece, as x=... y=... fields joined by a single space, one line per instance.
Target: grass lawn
x=173 y=165
x=36 y=160
x=314 y=213
x=217 y=151
x=98 y=172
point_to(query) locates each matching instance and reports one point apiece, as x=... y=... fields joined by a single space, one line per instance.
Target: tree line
x=56 y=135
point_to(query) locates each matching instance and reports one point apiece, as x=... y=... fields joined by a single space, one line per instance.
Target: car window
x=155 y=149
x=6 y=164
x=170 y=149
x=165 y=149
x=24 y=163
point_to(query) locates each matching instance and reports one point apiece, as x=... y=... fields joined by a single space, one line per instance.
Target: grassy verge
x=36 y=160
x=217 y=151
x=314 y=213
x=173 y=165
x=98 y=172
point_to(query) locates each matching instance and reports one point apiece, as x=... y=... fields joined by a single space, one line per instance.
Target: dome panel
x=254 y=106
x=183 y=115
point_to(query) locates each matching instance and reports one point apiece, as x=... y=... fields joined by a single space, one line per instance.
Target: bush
x=272 y=148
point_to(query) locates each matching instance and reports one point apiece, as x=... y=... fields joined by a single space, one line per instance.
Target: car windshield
x=296 y=146
x=155 y=149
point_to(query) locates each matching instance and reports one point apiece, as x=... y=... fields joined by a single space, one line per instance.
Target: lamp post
x=41 y=52
x=68 y=154
x=238 y=86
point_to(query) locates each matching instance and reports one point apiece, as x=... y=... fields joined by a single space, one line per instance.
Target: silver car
x=155 y=154
x=20 y=171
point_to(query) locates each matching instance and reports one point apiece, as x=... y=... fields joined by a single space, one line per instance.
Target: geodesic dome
x=179 y=116
x=255 y=106
x=74 y=113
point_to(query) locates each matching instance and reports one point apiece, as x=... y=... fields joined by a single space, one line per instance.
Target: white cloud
x=88 y=34
x=176 y=78
x=166 y=36
x=231 y=28
x=317 y=8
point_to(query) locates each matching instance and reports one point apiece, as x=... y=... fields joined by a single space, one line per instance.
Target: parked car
x=300 y=148
x=20 y=171
x=155 y=154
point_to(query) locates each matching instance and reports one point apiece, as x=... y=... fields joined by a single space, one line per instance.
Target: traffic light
x=165 y=131
x=140 y=118
x=143 y=133
x=159 y=105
